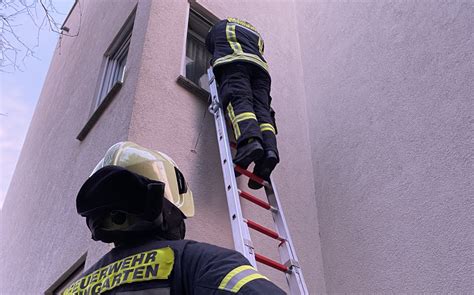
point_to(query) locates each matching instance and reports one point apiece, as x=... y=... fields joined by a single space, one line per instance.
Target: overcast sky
x=20 y=90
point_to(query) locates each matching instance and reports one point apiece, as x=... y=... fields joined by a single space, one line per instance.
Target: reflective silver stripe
x=241 y=56
x=267 y=127
x=241 y=22
x=232 y=38
x=249 y=30
x=235 y=125
x=244 y=116
x=236 y=278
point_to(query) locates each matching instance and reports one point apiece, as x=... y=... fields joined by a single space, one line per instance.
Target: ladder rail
x=295 y=279
x=240 y=231
x=240 y=225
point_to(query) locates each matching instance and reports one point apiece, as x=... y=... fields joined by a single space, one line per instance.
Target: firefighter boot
x=250 y=152
x=264 y=168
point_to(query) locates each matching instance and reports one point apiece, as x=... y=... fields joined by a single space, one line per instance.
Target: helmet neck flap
x=121 y=227
x=121 y=206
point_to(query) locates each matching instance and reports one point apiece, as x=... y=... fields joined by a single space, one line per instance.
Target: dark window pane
x=197 y=56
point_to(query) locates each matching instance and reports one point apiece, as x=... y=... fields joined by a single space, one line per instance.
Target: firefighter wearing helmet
x=138 y=199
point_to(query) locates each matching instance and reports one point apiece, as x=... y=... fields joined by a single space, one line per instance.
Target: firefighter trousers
x=244 y=89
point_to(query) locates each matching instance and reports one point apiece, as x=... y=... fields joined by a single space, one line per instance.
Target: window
x=115 y=62
x=113 y=74
x=197 y=56
x=68 y=277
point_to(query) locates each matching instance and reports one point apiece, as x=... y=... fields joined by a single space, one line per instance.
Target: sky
x=20 y=89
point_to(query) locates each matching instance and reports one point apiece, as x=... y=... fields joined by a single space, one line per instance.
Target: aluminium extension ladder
x=240 y=226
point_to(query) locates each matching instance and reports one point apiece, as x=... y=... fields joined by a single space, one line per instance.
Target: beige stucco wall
x=372 y=102
x=389 y=89
x=40 y=229
x=41 y=233
x=168 y=117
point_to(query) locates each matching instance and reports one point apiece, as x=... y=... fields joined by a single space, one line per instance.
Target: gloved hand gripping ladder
x=240 y=226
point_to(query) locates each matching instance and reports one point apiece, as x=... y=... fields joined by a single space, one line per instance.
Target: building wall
x=153 y=110
x=169 y=118
x=372 y=107
x=41 y=233
x=389 y=92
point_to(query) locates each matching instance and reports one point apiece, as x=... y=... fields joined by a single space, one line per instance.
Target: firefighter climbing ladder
x=240 y=226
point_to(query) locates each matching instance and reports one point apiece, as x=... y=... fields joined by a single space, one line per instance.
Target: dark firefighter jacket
x=172 y=267
x=233 y=40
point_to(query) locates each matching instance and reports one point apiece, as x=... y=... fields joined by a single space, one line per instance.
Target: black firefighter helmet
x=135 y=192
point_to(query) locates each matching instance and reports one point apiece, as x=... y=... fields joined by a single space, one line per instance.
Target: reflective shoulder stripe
x=248 y=30
x=238 y=277
x=247 y=279
x=232 y=273
x=242 y=23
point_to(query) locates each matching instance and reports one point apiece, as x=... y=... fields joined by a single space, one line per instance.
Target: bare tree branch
x=13 y=47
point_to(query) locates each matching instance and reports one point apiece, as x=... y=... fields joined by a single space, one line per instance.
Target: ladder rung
x=271 y=263
x=264 y=230
x=255 y=200
x=249 y=175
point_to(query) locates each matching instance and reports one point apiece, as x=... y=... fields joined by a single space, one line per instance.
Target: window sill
x=192 y=87
x=99 y=111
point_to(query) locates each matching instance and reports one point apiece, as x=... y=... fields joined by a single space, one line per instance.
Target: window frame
x=68 y=277
x=198 y=20
x=209 y=18
x=111 y=77
x=118 y=50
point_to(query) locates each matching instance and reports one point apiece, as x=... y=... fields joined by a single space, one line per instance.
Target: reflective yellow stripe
x=239 y=118
x=238 y=277
x=242 y=23
x=267 y=127
x=245 y=280
x=244 y=116
x=232 y=273
x=232 y=38
x=230 y=112
x=260 y=45
x=241 y=56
